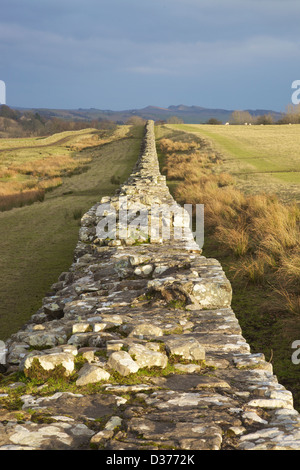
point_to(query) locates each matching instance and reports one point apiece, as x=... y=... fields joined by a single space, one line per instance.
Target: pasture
x=259 y=157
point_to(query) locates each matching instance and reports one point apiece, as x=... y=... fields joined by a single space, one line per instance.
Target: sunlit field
x=259 y=156
x=29 y=167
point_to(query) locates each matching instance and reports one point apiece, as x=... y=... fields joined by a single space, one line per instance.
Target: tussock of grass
x=237 y=240
x=290 y=299
x=21 y=199
x=169 y=146
x=49 y=167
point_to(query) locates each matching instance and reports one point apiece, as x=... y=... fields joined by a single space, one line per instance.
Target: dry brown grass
x=13 y=186
x=259 y=230
x=184 y=161
x=49 y=167
x=290 y=299
x=21 y=198
x=255 y=269
x=85 y=142
x=7 y=173
x=26 y=173
x=290 y=267
x=236 y=239
x=50 y=183
x=170 y=146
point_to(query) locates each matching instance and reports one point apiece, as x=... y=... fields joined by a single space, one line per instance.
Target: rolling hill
x=188 y=114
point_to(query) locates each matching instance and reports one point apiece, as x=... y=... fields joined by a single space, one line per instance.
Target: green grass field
x=37 y=241
x=260 y=157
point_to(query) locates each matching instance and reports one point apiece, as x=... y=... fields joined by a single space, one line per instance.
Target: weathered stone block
x=186 y=348
x=91 y=374
x=44 y=339
x=215 y=293
x=146 y=330
x=123 y=363
x=49 y=361
x=145 y=357
x=81 y=327
x=54 y=310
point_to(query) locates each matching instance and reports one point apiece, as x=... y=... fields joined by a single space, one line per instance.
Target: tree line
x=14 y=123
x=292 y=116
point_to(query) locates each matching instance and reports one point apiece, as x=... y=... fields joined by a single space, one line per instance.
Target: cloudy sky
x=122 y=54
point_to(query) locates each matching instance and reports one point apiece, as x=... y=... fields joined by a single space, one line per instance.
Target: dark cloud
x=107 y=53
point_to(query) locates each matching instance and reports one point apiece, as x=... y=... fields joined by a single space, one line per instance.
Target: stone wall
x=143 y=330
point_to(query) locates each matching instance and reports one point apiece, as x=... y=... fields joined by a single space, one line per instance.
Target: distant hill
x=188 y=114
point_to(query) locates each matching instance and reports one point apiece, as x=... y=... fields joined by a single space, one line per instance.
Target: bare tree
x=241 y=117
x=174 y=120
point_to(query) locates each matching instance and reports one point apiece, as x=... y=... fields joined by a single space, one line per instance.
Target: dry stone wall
x=150 y=322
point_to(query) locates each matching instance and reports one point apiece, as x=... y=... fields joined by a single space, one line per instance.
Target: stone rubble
x=150 y=322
